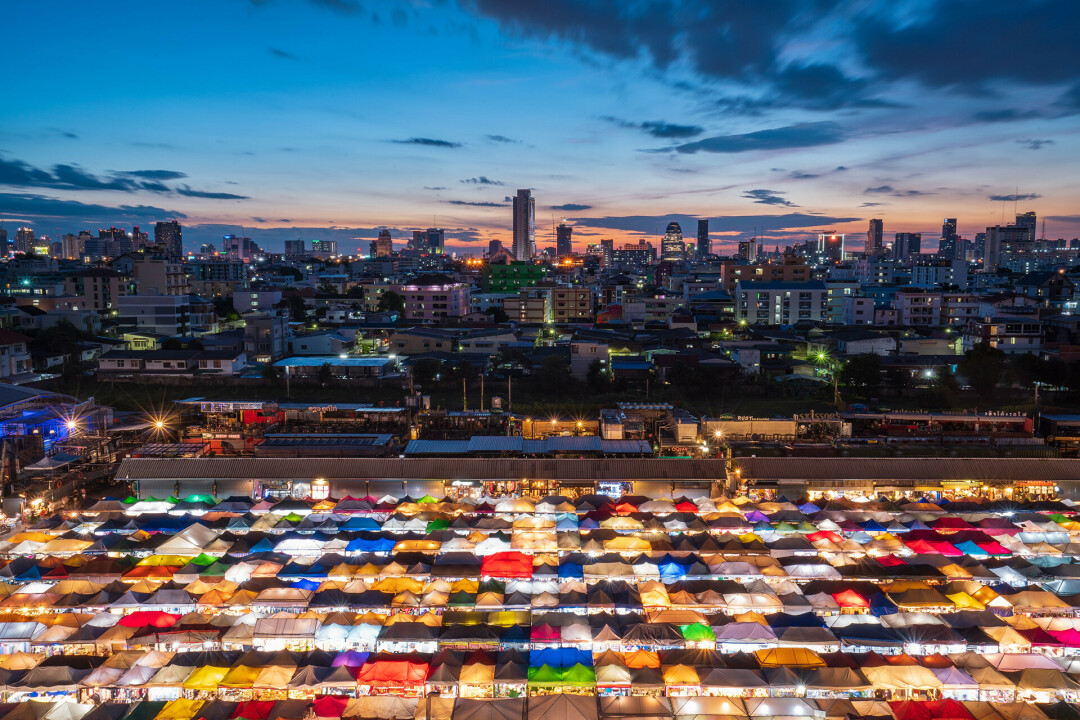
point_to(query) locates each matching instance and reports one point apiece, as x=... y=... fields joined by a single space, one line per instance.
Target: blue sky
x=333 y=118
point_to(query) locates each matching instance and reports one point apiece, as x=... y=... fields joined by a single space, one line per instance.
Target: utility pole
x=464 y=396
x=481 y=392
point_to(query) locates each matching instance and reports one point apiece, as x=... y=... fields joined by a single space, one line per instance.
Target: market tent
x=563 y=707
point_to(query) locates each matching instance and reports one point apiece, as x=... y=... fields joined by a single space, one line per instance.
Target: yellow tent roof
x=417 y=546
x=963 y=601
x=165 y=560
x=465 y=585
x=626 y=543
x=179 y=709
x=399 y=585
x=789 y=657
x=477 y=674
x=274 y=676
x=241 y=676
x=681 y=675
x=207 y=677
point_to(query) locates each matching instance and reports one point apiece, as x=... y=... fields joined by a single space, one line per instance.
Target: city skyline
x=334 y=120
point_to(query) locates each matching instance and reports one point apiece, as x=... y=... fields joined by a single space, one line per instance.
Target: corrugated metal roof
x=986 y=469
x=247 y=468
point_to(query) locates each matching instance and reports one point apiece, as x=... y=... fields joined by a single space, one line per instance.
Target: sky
x=331 y=119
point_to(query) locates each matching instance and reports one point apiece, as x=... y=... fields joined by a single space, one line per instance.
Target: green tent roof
x=697 y=632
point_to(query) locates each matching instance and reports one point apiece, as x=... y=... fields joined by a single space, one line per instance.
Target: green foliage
x=862 y=374
x=983 y=366
x=296 y=306
x=325 y=374
x=391 y=301
x=597 y=377
x=424 y=372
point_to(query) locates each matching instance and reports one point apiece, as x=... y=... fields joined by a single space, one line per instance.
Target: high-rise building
x=524 y=225
x=906 y=244
x=116 y=239
x=947 y=244
x=704 y=246
x=70 y=247
x=295 y=248
x=168 y=233
x=384 y=244
x=875 y=243
x=1030 y=221
x=748 y=249
x=672 y=248
x=830 y=247
x=564 y=244
x=324 y=248
x=435 y=241
x=607 y=250
x=494 y=246
x=1001 y=242
x=238 y=247
x=24 y=239
x=3 y=241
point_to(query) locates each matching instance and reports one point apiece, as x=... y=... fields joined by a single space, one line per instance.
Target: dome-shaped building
x=672 y=248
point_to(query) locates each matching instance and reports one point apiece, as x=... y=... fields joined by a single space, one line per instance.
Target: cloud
x=188 y=192
x=42 y=208
x=890 y=190
x=65 y=133
x=873 y=204
x=440 y=187
x=654 y=224
x=802 y=135
x=659 y=128
x=476 y=204
x=155 y=174
x=1005 y=115
x=572 y=207
x=878 y=189
x=768 y=197
x=283 y=54
x=501 y=139
x=921 y=45
x=1035 y=143
x=429 y=142
x=799 y=175
x=481 y=180
x=1018 y=197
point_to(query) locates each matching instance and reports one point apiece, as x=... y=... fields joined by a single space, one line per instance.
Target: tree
x=391 y=301
x=425 y=371
x=325 y=374
x=271 y=372
x=225 y=311
x=862 y=374
x=554 y=374
x=296 y=306
x=983 y=366
x=498 y=315
x=172 y=344
x=597 y=377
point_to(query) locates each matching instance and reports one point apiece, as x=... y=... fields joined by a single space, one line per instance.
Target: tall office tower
x=906 y=244
x=324 y=248
x=139 y=239
x=70 y=247
x=384 y=244
x=3 y=241
x=168 y=233
x=830 y=247
x=295 y=248
x=1030 y=221
x=704 y=246
x=24 y=239
x=436 y=241
x=418 y=242
x=672 y=248
x=494 y=246
x=947 y=244
x=1001 y=242
x=748 y=249
x=119 y=243
x=564 y=244
x=607 y=249
x=524 y=225
x=875 y=242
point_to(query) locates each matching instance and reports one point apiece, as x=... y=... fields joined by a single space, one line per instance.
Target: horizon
x=332 y=119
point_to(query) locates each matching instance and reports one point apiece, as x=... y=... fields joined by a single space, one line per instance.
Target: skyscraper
x=436 y=241
x=324 y=248
x=384 y=244
x=947 y=244
x=563 y=239
x=748 y=249
x=704 y=247
x=875 y=243
x=672 y=248
x=3 y=241
x=1030 y=221
x=24 y=239
x=168 y=233
x=524 y=225
x=294 y=248
x=906 y=244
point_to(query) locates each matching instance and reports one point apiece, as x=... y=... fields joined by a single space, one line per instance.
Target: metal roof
x=247 y=468
x=930 y=468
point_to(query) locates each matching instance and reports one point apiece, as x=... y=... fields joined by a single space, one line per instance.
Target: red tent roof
x=850 y=599
x=149 y=618
x=507 y=565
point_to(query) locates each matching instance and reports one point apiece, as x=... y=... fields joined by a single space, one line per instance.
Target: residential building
x=792 y=270
x=415 y=341
x=524 y=225
x=256 y=300
x=512 y=277
x=168 y=315
x=564 y=244
x=931 y=272
x=919 y=308
x=906 y=244
x=156 y=273
x=324 y=248
x=265 y=335
x=295 y=249
x=169 y=236
x=14 y=355
x=704 y=245
x=875 y=238
x=384 y=244
x=432 y=301
x=101 y=288
x=776 y=303
x=1012 y=335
